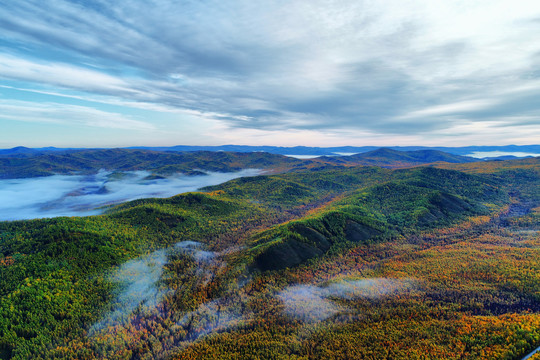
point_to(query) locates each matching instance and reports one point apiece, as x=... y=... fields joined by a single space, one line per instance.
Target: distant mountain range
x=296 y=150
x=306 y=150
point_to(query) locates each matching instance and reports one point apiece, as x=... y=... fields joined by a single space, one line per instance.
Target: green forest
x=316 y=260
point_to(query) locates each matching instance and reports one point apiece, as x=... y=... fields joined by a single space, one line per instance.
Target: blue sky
x=297 y=72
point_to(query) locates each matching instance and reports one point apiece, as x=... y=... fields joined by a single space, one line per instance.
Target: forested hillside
x=24 y=164
x=325 y=262
x=163 y=163
x=394 y=158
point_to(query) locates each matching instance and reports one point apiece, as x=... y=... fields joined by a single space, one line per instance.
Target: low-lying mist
x=78 y=195
x=139 y=279
x=315 y=303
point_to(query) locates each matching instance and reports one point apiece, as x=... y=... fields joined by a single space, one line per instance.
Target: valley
x=388 y=255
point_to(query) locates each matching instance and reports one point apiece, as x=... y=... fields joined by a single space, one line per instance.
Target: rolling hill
x=163 y=163
x=321 y=263
x=167 y=163
x=393 y=158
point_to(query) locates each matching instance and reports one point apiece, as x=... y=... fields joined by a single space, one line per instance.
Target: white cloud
x=275 y=65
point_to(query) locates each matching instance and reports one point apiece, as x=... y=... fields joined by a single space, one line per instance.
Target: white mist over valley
x=81 y=195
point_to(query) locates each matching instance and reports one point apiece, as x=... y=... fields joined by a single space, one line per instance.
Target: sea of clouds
x=488 y=154
x=81 y=195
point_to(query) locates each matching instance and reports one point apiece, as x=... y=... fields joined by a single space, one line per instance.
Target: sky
x=269 y=72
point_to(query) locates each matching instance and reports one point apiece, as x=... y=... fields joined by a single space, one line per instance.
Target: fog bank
x=488 y=154
x=78 y=195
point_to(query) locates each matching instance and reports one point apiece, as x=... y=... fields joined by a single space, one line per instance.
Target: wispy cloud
x=68 y=76
x=68 y=114
x=449 y=109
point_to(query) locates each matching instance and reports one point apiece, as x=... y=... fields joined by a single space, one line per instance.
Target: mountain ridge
x=385 y=156
x=197 y=162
